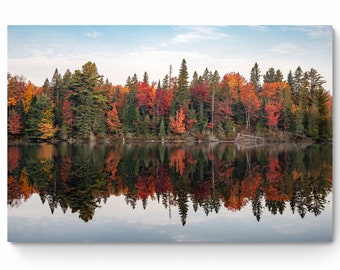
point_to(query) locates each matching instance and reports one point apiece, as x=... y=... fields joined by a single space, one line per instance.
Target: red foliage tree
x=15 y=124
x=146 y=95
x=200 y=93
x=163 y=102
x=273 y=110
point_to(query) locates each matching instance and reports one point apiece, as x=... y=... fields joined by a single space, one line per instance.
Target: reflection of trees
x=81 y=177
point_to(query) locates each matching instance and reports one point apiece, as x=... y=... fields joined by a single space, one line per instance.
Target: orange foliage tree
x=46 y=125
x=112 y=119
x=177 y=124
x=28 y=96
x=250 y=101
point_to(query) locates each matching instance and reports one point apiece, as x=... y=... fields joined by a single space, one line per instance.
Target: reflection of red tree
x=145 y=186
x=201 y=191
x=275 y=177
x=273 y=194
x=14 y=155
x=26 y=189
x=251 y=184
x=235 y=201
x=163 y=182
x=274 y=171
x=177 y=159
x=13 y=191
x=112 y=161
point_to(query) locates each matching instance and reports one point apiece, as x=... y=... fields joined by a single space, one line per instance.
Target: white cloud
x=315 y=32
x=92 y=34
x=198 y=33
x=258 y=28
x=285 y=48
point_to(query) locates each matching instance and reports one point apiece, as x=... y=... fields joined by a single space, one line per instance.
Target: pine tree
x=255 y=75
x=278 y=76
x=270 y=76
x=165 y=84
x=290 y=79
x=146 y=77
x=322 y=98
x=182 y=96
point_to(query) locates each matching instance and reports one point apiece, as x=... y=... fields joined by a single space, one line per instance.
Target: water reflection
x=79 y=178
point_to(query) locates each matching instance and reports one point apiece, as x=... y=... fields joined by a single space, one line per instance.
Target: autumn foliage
x=82 y=105
x=210 y=176
x=177 y=123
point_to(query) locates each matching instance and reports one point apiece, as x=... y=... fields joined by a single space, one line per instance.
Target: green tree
x=270 y=76
x=35 y=117
x=146 y=77
x=255 y=75
x=181 y=95
x=322 y=99
x=278 y=76
x=88 y=105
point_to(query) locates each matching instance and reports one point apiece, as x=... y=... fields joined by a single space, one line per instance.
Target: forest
x=83 y=106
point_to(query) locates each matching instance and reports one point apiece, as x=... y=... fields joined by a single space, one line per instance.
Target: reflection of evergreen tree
x=182 y=201
x=87 y=182
x=128 y=168
x=274 y=206
x=257 y=205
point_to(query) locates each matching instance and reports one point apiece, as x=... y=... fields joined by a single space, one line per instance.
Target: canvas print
x=170 y=133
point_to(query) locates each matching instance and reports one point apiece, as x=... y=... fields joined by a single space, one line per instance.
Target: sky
x=120 y=51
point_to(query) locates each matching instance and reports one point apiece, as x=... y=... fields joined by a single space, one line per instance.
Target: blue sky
x=119 y=51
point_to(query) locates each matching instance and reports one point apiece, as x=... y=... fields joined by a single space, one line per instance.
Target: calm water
x=169 y=193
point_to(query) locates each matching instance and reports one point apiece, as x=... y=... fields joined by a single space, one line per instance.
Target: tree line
x=83 y=106
x=78 y=179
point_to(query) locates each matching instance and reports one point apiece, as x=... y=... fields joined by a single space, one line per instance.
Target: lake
x=156 y=192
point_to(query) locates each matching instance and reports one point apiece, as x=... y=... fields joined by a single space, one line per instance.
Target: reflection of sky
x=117 y=222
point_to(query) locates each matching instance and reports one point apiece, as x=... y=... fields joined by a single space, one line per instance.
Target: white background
x=165 y=256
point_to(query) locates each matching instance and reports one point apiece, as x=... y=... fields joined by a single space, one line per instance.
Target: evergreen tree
x=290 y=79
x=88 y=105
x=181 y=96
x=322 y=98
x=46 y=87
x=206 y=76
x=278 y=76
x=255 y=75
x=194 y=79
x=270 y=76
x=165 y=84
x=146 y=77
x=214 y=84
x=34 y=117
x=55 y=88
